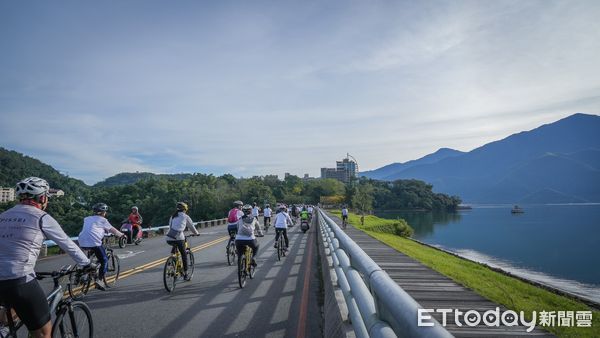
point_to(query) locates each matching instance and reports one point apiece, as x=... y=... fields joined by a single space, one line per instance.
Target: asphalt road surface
x=281 y=301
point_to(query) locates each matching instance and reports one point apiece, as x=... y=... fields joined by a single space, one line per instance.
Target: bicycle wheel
x=280 y=246
x=170 y=274
x=73 y=321
x=79 y=285
x=190 y=257
x=113 y=269
x=231 y=253
x=242 y=270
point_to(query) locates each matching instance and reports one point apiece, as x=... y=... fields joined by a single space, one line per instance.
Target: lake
x=558 y=245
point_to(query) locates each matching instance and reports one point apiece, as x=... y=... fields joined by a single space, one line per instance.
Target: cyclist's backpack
x=245 y=228
x=233 y=216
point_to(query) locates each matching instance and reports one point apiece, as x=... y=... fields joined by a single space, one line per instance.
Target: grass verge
x=514 y=294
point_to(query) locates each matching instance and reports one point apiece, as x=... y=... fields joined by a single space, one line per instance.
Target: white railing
x=377 y=306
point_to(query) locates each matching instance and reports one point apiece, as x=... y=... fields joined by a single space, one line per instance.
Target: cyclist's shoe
x=260 y=234
x=253 y=263
x=89 y=268
x=275 y=246
x=187 y=277
x=100 y=285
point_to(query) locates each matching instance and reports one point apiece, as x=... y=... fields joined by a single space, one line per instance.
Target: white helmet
x=33 y=186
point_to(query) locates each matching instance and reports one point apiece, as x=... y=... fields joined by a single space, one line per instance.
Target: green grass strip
x=513 y=293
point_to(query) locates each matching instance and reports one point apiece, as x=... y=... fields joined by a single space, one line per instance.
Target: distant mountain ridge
x=15 y=166
x=387 y=172
x=554 y=163
x=132 y=178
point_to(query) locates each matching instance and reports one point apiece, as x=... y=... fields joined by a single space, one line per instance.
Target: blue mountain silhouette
x=555 y=163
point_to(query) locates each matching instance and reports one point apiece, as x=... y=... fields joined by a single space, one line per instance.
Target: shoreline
x=566 y=293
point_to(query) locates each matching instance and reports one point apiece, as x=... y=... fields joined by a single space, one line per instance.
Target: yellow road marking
x=156 y=262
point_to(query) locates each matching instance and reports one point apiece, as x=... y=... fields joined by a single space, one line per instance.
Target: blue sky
x=260 y=87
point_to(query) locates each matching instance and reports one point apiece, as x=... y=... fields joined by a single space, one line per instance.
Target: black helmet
x=100 y=207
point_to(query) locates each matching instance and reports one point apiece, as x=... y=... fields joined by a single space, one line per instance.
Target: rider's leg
x=181 y=247
x=103 y=259
x=29 y=302
x=285 y=236
x=277 y=234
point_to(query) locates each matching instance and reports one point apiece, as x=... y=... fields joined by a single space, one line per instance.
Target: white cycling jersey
x=282 y=220
x=94 y=229
x=22 y=230
x=267 y=212
x=178 y=224
x=255 y=211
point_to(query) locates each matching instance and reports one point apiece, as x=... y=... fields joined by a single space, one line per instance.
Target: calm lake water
x=558 y=245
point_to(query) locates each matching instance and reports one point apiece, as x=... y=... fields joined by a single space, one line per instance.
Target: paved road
x=282 y=300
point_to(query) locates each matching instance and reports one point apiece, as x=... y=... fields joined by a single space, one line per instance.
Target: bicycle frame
x=55 y=301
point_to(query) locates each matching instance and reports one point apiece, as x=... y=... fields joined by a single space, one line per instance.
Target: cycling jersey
x=94 y=229
x=344 y=212
x=267 y=212
x=282 y=219
x=246 y=227
x=255 y=211
x=177 y=226
x=22 y=230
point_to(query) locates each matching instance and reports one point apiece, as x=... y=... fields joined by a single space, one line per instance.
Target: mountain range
x=554 y=163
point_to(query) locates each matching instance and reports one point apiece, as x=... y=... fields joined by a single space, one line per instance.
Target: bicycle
x=267 y=224
x=79 y=285
x=72 y=318
x=173 y=270
x=245 y=267
x=280 y=244
x=344 y=222
x=231 y=251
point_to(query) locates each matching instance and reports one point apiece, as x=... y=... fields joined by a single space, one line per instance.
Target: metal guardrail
x=377 y=306
x=202 y=224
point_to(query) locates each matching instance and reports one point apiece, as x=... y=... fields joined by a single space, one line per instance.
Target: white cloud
x=264 y=88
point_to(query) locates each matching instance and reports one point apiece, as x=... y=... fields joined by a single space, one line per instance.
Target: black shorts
x=28 y=300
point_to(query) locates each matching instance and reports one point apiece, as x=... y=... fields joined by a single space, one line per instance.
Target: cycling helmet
x=134 y=208
x=32 y=186
x=267 y=206
x=238 y=203
x=100 y=207
x=247 y=209
x=182 y=206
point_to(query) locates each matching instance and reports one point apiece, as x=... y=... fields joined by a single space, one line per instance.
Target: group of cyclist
x=243 y=225
x=24 y=227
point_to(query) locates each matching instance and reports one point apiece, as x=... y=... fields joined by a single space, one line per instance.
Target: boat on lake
x=517 y=210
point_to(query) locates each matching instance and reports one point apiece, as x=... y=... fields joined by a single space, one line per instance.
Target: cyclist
x=282 y=219
x=234 y=215
x=344 y=215
x=90 y=238
x=255 y=213
x=245 y=233
x=267 y=215
x=23 y=228
x=135 y=219
x=178 y=222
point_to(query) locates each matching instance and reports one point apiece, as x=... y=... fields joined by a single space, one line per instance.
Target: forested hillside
x=209 y=196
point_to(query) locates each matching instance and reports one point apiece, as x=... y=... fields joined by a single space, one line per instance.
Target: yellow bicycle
x=245 y=267
x=173 y=270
